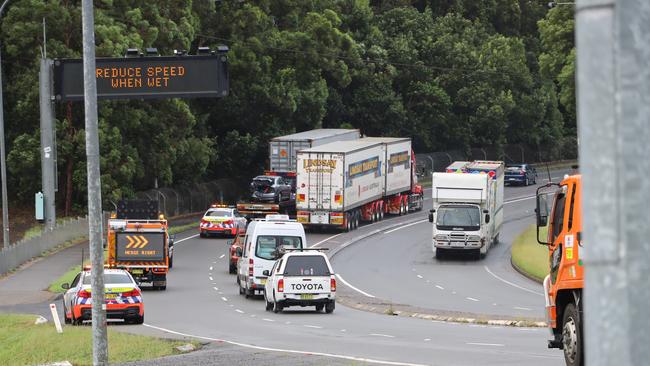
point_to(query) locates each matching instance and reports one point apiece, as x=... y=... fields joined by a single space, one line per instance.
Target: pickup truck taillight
x=281 y=285
x=250 y=267
x=84 y=294
x=333 y=284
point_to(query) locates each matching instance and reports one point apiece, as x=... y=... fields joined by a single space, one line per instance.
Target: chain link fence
x=184 y=200
x=566 y=149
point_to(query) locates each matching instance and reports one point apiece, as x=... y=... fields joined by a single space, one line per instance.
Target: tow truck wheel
x=572 y=336
x=348 y=222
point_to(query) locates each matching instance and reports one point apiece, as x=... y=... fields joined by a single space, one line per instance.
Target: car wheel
x=232 y=269
x=381 y=213
x=526 y=183
x=241 y=289
x=319 y=307
x=269 y=305
x=277 y=307
x=171 y=262
x=329 y=308
x=66 y=320
x=202 y=235
x=137 y=320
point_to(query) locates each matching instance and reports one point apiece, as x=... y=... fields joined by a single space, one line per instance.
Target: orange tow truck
x=139 y=242
x=563 y=285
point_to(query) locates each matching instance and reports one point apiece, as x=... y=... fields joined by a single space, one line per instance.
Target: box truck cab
x=467 y=209
x=264 y=238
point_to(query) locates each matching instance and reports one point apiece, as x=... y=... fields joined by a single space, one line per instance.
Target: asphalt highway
x=202 y=300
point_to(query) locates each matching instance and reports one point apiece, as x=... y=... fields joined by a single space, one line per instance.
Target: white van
x=263 y=239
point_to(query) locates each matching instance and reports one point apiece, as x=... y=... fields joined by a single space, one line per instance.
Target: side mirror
x=541 y=214
x=431 y=216
x=65 y=286
x=229 y=242
x=485 y=211
x=238 y=252
x=266 y=272
x=487 y=218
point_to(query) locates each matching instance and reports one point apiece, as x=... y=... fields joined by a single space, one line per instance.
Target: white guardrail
x=23 y=251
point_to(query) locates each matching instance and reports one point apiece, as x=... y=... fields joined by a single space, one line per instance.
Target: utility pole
x=613 y=81
x=100 y=341
x=48 y=148
x=3 y=164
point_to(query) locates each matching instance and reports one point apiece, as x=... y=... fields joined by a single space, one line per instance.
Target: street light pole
x=3 y=163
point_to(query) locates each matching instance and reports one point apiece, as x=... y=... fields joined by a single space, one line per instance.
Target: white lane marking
x=381 y=335
x=332 y=355
x=326 y=239
x=220 y=293
x=343 y=330
x=313 y=326
x=420 y=276
x=239 y=311
x=515 y=200
x=512 y=284
x=223 y=298
x=252 y=316
x=215 y=262
x=231 y=305
x=352 y=287
x=440 y=287
x=211 y=268
x=427 y=339
x=211 y=279
x=453 y=292
x=268 y=320
x=522 y=308
x=287 y=323
x=188 y=238
x=471 y=299
x=485 y=344
x=216 y=288
x=404 y=226
x=223 y=255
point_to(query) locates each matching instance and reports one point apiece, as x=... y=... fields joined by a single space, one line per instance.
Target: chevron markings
x=136 y=242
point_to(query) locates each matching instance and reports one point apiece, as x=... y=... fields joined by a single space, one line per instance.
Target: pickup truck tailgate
x=306 y=285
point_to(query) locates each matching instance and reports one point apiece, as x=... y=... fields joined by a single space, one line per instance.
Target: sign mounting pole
x=100 y=341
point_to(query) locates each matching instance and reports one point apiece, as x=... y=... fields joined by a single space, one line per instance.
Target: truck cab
x=559 y=227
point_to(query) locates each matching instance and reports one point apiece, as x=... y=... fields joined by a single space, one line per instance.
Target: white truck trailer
x=343 y=183
x=467 y=209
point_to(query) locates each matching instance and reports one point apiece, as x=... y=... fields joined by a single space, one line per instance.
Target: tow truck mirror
x=65 y=286
x=266 y=272
x=487 y=218
x=238 y=252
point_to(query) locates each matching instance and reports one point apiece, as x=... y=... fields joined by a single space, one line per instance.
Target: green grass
x=530 y=256
x=24 y=343
x=180 y=229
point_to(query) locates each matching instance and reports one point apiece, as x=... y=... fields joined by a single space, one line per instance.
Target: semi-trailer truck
x=343 y=183
x=467 y=209
x=283 y=151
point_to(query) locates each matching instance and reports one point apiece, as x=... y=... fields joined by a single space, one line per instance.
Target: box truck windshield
x=267 y=245
x=465 y=218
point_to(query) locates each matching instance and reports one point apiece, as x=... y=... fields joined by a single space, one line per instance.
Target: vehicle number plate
x=137 y=271
x=263 y=281
x=457 y=244
x=513 y=179
x=306 y=296
x=320 y=218
x=110 y=296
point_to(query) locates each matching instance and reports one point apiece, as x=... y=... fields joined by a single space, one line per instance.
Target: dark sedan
x=522 y=174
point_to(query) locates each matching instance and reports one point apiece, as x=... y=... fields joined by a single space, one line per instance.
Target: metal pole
x=100 y=341
x=48 y=149
x=3 y=163
x=613 y=59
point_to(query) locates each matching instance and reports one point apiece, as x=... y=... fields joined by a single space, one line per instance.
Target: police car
x=222 y=220
x=122 y=296
x=301 y=278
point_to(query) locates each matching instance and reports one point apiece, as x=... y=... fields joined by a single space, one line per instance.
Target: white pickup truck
x=301 y=278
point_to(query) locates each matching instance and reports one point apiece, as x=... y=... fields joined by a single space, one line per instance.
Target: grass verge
x=529 y=256
x=24 y=343
x=181 y=228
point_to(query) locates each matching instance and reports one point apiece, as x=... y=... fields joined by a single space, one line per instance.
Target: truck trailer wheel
x=572 y=336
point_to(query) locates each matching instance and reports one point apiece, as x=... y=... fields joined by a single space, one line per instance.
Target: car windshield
x=310 y=265
x=458 y=218
x=111 y=278
x=514 y=168
x=267 y=245
x=219 y=213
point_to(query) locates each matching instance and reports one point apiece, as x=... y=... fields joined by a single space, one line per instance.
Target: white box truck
x=343 y=183
x=467 y=209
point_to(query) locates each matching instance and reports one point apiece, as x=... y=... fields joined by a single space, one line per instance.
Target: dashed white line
x=471 y=299
x=324 y=240
x=188 y=238
x=268 y=320
x=313 y=326
x=239 y=311
x=223 y=298
x=512 y=284
x=211 y=279
x=344 y=357
x=352 y=287
x=427 y=339
x=486 y=344
x=404 y=226
x=420 y=276
x=287 y=323
x=381 y=335
x=220 y=293
x=343 y=330
x=221 y=256
x=210 y=268
x=522 y=308
x=440 y=287
x=216 y=288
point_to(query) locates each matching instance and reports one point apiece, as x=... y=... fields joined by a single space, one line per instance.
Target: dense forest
x=451 y=74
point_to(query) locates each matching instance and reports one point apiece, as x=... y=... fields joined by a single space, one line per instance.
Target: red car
x=236 y=247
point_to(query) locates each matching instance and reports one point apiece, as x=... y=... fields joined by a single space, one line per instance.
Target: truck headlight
x=441 y=237
x=473 y=238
